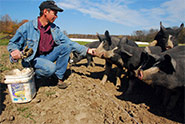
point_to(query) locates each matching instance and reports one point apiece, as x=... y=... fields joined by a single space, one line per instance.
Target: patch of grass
x=81 y=42
x=181 y=44
x=3 y=64
x=5 y=56
x=3 y=35
x=4 y=42
x=49 y=93
x=22 y=109
x=25 y=112
x=3 y=68
x=29 y=115
x=142 y=45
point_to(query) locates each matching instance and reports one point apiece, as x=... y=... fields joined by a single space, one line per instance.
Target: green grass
x=141 y=45
x=3 y=35
x=181 y=44
x=26 y=113
x=4 y=42
x=22 y=109
x=49 y=93
x=81 y=42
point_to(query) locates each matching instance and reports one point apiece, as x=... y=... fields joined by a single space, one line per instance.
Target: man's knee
x=46 y=70
x=51 y=69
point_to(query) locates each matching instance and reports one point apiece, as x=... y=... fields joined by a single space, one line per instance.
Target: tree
x=6 y=24
x=151 y=35
x=181 y=37
x=139 y=35
x=9 y=26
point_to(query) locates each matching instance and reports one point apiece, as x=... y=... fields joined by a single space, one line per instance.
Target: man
x=48 y=43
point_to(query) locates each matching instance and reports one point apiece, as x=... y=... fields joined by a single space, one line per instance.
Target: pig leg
x=130 y=86
x=167 y=94
x=173 y=100
x=89 y=60
x=92 y=62
x=118 y=77
x=107 y=71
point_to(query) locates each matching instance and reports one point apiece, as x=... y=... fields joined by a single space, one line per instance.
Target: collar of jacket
x=35 y=24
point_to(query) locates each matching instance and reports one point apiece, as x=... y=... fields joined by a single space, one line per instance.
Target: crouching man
x=47 y=43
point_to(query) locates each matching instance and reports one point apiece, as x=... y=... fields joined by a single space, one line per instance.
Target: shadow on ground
x=143 y=93
x=2 y=97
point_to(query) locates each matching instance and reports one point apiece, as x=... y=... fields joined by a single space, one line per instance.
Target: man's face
x=51 y=15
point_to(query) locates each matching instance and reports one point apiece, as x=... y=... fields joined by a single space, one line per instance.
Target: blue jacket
x=29 y=34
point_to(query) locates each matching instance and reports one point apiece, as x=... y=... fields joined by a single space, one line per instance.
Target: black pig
x=166 y=70
x=105 y=50
x=166 y=38
x=76 y=57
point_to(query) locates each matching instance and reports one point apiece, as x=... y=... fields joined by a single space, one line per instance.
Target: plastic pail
x=21 y=85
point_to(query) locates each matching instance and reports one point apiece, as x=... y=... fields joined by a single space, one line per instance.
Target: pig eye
x=172 y=38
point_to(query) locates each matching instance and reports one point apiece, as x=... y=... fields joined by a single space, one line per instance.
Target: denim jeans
x=45 y=65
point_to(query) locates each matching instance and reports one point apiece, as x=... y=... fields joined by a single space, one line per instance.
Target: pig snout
x=140 y=74
x=100 y=53
x=146 y=74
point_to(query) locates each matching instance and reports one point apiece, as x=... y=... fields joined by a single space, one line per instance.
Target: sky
x=119 y=17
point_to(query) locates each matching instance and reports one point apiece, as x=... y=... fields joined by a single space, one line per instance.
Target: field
x=85 y=101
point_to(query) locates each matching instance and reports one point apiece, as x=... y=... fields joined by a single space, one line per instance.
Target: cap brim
x=57 y=9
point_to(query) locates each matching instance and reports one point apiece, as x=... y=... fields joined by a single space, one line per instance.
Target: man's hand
x=26 y=52
x=91 y=51
x=16 y=54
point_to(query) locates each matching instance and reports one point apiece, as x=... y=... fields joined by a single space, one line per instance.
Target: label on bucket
x=18 y=92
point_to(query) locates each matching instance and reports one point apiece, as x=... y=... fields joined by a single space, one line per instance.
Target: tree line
x=8 y=26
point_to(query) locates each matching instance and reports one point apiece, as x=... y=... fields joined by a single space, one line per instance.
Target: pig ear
x=180 y=28
x=153 y=43
x=148 y=52
x=126 y=52
x=97 y=34
x=124 y=40
x=172 y=62
x=106 y=32
x=108 y=37
x=147 y=49
x=162 y=27
x=182 y=25
x=145 y=56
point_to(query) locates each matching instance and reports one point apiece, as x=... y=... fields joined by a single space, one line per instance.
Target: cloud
x=171 y=12
x=118 y=11
x=175 y=10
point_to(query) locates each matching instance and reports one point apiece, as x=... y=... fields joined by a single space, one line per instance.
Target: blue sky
x=91 y=16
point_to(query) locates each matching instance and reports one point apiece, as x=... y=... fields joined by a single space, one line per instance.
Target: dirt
x=87 y=101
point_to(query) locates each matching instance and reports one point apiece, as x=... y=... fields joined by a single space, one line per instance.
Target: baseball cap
x=51 y=5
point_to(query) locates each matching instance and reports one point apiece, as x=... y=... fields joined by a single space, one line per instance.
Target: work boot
x=62 y=85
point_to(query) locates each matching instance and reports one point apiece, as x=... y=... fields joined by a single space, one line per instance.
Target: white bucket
x=21 y=85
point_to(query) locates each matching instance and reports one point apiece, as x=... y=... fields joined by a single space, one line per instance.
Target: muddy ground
x=87 y=101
